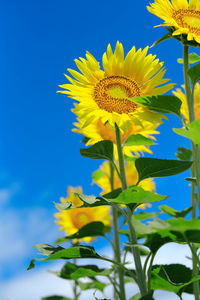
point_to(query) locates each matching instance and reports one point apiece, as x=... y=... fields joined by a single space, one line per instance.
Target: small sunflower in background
x=71 y=220
x=184 y=107
x=103 y=181
x=98 y=131
x=184 y=17
x=103 y=94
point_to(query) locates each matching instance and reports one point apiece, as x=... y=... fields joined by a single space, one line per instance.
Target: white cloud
x=6 y=194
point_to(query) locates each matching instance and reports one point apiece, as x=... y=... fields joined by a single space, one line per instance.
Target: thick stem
x=117 y=241
x=190 y=102
x=132 y=235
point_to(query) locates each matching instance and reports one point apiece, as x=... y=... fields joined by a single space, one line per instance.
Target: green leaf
x=73 y=272
x=98 y=174
x=162 y=39
x=192 y=133
x=194 y=73
x=100 y=150
x=63 y=206
x=153 y=167
x=91 y=201
x=91 y=229
x=184 y=153
x=136 y=195
x=47 y=249
x=31 y=265
x=97 y=285
x=175 y=213
x=144 y=215
x=193 y=58
x=143 y=252
x=138 y=139
x=163 y=104
x=174 y=278
x=130 y=158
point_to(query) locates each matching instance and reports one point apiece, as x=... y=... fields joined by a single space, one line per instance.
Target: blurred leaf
x=98 y=174
x=56 y=298
x=184 y=153
x=31 y=265
x=136 y=195
x=143 y=252
x=172 y=278
x=193 y=131
x=138 y=139
x=163 y=104
x=74 y=272
x=194 y=73
x=91 y=201
x=100 y=150
x=193 y=58
x=191 y=179
x=130 y=158
x=144 y=215
x=97 y=285
x=63 y=205
x=175 y=213
x=47 y=249
x=91 y=229
x=112 y=195
x=153 y=167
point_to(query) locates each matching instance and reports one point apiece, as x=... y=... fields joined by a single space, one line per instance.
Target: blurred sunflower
x=72 y=220
x=98 y=131
x=184 y=107
x=103 y=181
x=103 y=94
x=183 y=16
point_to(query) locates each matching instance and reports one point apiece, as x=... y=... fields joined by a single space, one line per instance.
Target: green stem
x=132 y=235
x=190 y=102
x=150 y=270
x=117 y=240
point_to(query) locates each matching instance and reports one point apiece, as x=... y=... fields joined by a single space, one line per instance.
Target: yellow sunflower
x=97 y=131
x=183 y=16
x=102 y=94
x=184 y=107
x=72 y=220
x=131 y=177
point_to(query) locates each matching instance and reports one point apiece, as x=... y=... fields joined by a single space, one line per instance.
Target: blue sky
x=39 y=154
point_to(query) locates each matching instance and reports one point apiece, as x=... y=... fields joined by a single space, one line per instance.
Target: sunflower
x=103 y=94
x=103 y=181
x=184 y=107
x=72 y=220
x=97 y=131
x=179 y=14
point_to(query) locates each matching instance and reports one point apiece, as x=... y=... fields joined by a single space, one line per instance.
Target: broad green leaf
x=193 y=58
x=47 y=249
x=145 y=215
x=61 y=253
x=192 y=133
x=91 y=229
x=175 y=213
x=153 y=167
x=194 y=73
x=56 y=298
x=136 y=195
x=184 y=153
x=174 y=278
x=97 y=285
x=163 y=104
x=138 y=139
x=98 y=174
x=100 y=150
x=74 y=272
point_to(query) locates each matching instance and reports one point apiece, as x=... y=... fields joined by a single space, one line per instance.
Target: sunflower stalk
x=117 y=241
x=132 y=235
x=194 y=169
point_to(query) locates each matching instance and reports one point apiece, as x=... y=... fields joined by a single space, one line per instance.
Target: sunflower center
x=111 y=92
x=188 y=19
x=81 y=218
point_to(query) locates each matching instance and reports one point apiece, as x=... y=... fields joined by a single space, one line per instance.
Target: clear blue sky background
x=39 y=154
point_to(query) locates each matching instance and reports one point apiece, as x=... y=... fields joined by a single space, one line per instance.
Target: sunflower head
x=103 y=93
x=184 y=107
x=70 y=221
x=182 y=17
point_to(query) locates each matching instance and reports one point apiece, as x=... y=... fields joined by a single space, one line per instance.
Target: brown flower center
x=110 y=94
x=188 y=19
